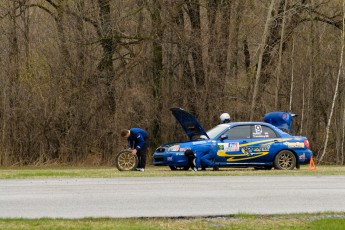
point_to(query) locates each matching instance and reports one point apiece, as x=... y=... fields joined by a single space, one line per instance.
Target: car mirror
x=224 y=137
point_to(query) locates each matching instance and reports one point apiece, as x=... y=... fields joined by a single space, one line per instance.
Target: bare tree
x=292 y=76
x=340 y=72
x=261 y=53
x=157 y=65
x=75 y=72
x=278 y=73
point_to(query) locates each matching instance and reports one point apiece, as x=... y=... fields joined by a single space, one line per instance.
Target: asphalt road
x=170 y=196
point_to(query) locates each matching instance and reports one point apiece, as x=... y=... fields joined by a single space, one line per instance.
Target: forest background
x=76 y=72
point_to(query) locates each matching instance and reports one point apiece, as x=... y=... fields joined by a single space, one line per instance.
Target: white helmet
x=224 y=118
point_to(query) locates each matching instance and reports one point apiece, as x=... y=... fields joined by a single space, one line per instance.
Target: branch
x=8 y=13
x=52 y=3
x=324 y=18
x=86 y=19
x=4 y=16
x=43 y=8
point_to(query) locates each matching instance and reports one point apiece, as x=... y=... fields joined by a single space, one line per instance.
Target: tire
x=126 y=161
x=285 y=160
x=174 y=168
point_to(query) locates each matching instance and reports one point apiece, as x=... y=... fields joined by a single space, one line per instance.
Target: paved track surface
x=170 y=196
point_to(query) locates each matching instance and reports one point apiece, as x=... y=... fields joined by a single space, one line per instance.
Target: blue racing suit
x=204 y=155
x=207 y=159
x=136 y=139
x=139 y=140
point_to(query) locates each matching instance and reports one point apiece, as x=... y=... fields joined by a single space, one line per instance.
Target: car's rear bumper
x=304 y=155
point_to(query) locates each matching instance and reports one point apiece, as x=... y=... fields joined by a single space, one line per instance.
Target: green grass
x=320 y=221
x=151 y=171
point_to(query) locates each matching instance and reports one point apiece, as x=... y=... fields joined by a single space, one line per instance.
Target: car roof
x=249 y=123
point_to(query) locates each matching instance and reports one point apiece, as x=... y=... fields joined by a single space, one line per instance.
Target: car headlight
x=174 y=148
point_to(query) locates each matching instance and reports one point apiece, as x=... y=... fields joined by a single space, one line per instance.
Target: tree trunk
x=313 y=112
x=157 y=66
x=81 y=48
x=26 y=31
x=340 y=72
x=193 y=8
x=276 y=103
x=292 y=74
x=218 y=46
x=59 y=19
x=196 y=62
x=232 y=71
x=261 y=53
x=108 y=43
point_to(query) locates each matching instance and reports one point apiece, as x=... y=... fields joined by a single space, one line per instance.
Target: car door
x=263 y=137
x=230 y=145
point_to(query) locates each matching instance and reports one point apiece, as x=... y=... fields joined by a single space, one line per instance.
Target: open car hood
x=189 y=123
x=281 y=120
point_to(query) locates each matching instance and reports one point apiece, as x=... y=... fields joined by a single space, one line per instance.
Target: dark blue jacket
x=137 y=137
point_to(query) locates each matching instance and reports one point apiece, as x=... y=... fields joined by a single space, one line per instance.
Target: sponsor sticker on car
x=294 y=144
x=302 y=157
x=229 y=147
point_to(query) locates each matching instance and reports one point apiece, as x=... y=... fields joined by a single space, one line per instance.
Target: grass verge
x=241 y=221
x=26 y=172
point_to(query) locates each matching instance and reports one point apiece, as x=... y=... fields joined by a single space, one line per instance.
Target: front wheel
x=126 y=161
x=285 y=160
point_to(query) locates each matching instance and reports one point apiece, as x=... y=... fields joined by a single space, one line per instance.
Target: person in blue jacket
x=138 y=140
x=205 y=156
x=207 y=159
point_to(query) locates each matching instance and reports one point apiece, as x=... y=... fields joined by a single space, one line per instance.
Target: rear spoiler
x=281 y=120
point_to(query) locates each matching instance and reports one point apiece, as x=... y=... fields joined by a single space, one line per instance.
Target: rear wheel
x=285 y=160
x=174 y=168
x=126 y=161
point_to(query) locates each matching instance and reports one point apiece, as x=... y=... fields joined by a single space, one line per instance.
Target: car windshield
x=214 y=132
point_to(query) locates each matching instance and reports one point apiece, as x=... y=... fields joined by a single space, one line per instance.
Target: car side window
x=239 y=132
x=261 y=131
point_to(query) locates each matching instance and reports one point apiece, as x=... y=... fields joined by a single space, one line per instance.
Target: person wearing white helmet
x=224 y=118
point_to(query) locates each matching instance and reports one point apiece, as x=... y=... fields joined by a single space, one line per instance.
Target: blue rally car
x=262 y=145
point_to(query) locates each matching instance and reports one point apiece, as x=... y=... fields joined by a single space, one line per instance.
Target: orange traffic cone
x=312 y=165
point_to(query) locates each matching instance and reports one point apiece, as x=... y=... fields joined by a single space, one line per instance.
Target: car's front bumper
x=177 y=159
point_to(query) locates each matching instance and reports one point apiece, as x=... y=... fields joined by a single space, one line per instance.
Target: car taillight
x=306 y=143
